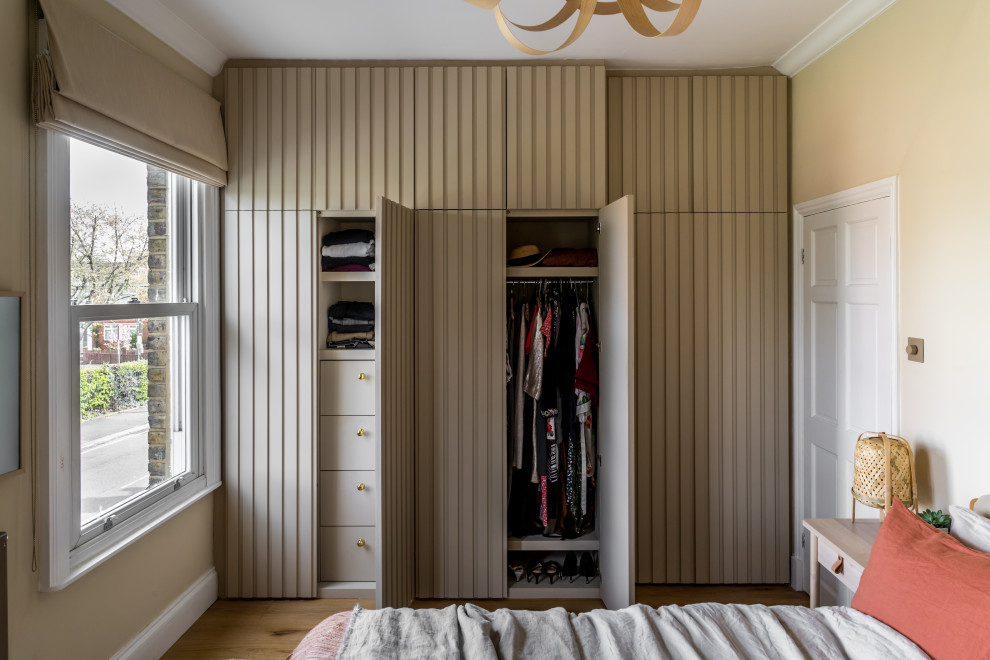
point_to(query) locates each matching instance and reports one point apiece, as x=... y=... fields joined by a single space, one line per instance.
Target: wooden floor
x=270 y=629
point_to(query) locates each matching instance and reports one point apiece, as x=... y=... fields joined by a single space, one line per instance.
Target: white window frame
x=66 y=551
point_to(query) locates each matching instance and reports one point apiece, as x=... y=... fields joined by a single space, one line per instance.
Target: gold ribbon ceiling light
x=632 y=10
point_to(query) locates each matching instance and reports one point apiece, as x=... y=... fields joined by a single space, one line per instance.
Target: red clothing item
x=586 y=376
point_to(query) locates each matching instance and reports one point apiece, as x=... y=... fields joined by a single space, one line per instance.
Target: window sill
x=88 y=556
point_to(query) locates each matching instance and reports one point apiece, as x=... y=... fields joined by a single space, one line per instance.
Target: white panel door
x=849 y=341
x=616 y=316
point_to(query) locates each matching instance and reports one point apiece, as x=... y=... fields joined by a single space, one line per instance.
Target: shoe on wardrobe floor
x=570 y=568
x=588 y=569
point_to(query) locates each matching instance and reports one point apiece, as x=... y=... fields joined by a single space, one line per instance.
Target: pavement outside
x=114 y=465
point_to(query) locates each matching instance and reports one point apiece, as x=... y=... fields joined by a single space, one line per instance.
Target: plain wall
x=907 y=95
x=95 y=616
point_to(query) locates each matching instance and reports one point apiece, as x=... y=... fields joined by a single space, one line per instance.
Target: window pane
x=123 y=238
x=133 y=398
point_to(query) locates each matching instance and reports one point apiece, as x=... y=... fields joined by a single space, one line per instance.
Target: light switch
x=915 y=349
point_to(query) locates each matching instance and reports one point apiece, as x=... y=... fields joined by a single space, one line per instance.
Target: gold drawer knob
x=360 y=432
x=361 y=486
x=360 y=543
x=362 y=376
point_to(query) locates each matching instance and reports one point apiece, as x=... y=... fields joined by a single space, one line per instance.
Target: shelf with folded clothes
x=351 y=325
x=347 y=253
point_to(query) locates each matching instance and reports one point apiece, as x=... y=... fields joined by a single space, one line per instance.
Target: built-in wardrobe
x=691 y=292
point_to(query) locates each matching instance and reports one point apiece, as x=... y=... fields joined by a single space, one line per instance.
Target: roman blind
x=93 y=85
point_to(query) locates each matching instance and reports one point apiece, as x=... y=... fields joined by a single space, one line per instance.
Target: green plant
x=936 y=519
x=112 y=387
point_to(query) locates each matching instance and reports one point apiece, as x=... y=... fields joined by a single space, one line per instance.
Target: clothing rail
x=543 y=280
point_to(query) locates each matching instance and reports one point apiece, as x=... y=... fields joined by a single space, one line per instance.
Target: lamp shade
x=884 y=469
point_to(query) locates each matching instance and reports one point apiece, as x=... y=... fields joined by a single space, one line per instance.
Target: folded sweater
x=352 y=309
x=349 y=250
x=349 y=236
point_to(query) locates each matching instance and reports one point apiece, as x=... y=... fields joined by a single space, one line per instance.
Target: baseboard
x=171 y=624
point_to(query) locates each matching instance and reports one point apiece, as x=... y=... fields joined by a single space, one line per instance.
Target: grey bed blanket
x=694 y=631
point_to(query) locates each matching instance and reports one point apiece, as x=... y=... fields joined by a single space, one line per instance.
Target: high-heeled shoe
x=589 y=569
x=517 y=569
x=535 y=572
x=570 y=569
x=552 y=569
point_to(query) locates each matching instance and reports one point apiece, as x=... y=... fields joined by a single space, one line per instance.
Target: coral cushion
x=929 y=587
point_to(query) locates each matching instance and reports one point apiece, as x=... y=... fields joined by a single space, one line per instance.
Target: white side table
x=842 y=547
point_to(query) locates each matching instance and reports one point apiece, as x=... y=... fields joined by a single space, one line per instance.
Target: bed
x=924 y=594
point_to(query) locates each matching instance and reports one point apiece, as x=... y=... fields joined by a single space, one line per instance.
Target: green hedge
x=108 y=388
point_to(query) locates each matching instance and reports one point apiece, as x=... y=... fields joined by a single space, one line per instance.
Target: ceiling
x=726 y=33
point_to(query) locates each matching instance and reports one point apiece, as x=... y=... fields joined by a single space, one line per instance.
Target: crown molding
x=834 y=30
x=159 y=20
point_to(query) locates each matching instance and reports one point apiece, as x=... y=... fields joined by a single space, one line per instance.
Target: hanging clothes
x=552 y=394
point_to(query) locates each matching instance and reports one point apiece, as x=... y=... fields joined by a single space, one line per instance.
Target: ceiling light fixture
x=632 y=10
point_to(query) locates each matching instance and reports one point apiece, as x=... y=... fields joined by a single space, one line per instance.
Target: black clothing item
x=350 y=343
x=333 y=262
x=348 y=236
x=339 y=327
x=348 y=309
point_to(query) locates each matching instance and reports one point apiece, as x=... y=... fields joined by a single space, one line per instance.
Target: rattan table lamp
x=883 y=470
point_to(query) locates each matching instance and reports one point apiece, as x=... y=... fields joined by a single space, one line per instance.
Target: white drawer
x=347 y=442
x=851 y=572
x=342 y=559
x=347 y=387
x=342 y=504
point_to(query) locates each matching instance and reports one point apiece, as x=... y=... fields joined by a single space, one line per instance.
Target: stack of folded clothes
x=352 y=325
x=348 y=250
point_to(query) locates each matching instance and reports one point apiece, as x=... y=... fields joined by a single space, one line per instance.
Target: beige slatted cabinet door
x=268 y=116
x=740 y=144
x=460 y=398
x=269 y=450
x=649 y=141
x=555 y=136
x=712 y=394
x=616 y=428
x=395 y=402
x=460 y=137
x=363 y=136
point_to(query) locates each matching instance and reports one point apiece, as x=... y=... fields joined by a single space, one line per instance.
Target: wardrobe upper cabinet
x=740 y=143
x=649 y=141
x=313 y=138
x=556 y=137
x=460 y=137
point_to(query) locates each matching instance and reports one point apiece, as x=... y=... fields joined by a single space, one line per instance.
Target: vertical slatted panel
x=363 y=139
x=740 y=143
x=460 y=137
x=712 y=410
x=319 y=138
x=396 y=405
x=460 y=404
x=268 y=404
x=650 y=142
x=556 y=136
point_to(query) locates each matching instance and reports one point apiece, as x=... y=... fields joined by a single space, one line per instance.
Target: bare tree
x=109 y=251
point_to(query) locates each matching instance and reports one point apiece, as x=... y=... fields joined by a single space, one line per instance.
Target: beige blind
x=95 y=86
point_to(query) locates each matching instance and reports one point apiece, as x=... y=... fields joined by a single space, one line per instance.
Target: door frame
x=884 y=188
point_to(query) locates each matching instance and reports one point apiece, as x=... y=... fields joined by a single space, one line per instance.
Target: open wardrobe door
x=395 y=401
x=616 y=321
